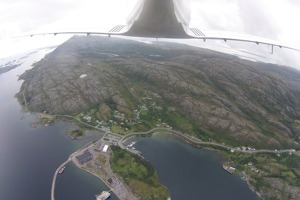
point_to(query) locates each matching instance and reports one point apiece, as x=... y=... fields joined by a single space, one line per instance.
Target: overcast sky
x=271 y=19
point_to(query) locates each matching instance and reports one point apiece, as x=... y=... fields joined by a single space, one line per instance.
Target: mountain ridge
x=200 y=92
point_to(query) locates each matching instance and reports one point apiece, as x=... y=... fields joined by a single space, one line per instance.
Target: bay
x=191 y=173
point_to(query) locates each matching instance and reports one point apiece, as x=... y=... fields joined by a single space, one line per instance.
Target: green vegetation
x=138 y=174
x=217 y=97
x=171 y=118
x=265 y=169
x=82 y=127
x=205 y=94
x=76 y=133
x=117 y=129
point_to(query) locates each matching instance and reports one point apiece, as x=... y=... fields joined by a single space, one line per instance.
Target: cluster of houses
x=243 y=149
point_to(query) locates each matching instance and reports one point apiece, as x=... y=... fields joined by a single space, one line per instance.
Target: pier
x=54 y=178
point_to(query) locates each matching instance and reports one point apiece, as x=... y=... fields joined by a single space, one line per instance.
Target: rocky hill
x=210 y=95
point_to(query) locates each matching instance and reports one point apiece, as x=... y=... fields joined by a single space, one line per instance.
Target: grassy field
x=138 y=174
x=117 y=129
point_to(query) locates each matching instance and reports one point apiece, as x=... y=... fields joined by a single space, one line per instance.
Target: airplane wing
x=196 y=33
x=116 y=30
x=168 y=19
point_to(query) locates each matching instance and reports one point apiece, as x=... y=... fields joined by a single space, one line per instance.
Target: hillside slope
x=210 y=95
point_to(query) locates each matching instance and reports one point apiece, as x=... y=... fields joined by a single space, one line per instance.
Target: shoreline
x=251 y=187
x=224 y=158
x=185 y=138
x=104 y=173
x=190 y=140
x=105 y=182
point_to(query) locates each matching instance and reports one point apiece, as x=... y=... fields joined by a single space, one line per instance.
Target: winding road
x=200 y=142
x=187 y=138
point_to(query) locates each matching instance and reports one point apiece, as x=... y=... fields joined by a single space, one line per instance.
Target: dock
x=55 y=176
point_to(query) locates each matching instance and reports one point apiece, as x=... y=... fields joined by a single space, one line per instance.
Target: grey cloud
x=294 y=2
x=256 y=19
x=252 y=18
x=30 y=14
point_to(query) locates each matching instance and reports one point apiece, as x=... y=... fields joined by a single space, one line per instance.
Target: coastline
x=149 y=134
x=222 y=157
x=190 y=140
x=124 y=193
x=120 y=196
x=185 y=138
x=103 y=171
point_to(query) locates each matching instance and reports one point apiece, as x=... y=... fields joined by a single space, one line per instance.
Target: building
x=85 y=157
x=105 y=148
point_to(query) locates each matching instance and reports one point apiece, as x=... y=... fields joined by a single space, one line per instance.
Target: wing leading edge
x=167 y=19
x=195 y=33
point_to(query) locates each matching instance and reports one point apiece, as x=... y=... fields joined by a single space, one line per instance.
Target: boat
x=131 y=144
x=103 y=196
x=61 y=170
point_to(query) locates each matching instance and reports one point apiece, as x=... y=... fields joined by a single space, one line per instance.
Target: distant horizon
x=262 y=18
x=27 y=44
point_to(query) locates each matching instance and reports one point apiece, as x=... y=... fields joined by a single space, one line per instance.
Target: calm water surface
x=30 y=156
x=191 y=173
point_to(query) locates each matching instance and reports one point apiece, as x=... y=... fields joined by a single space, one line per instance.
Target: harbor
x=94 y=159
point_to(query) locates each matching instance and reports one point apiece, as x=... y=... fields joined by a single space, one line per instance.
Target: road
x=25 y=101
x=69 y=116
x=200 y=142
x=188 y=138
